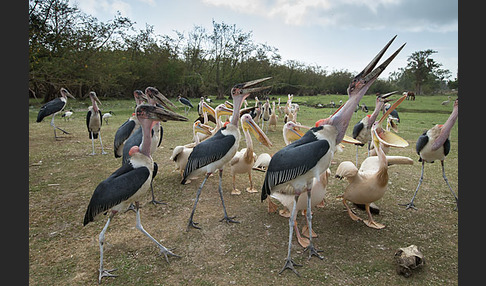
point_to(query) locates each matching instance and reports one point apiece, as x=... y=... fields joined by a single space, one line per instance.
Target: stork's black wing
x=208 y=151
x=357 y=129
x=421 y=142
x=50 y=108
x=134 y=140
x=294 y=160
x=118 y=187
x=122 y=134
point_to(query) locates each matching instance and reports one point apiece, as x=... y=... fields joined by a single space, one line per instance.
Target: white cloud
x=410 y=15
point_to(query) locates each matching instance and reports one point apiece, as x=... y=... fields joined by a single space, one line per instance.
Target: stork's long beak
x=248 y=123
x=157 y=113
x=247 y=86
x=383 y=96
x=387 y=137
x=159 y=98
x=97 y=99
x=369 y=74
x=67 y=93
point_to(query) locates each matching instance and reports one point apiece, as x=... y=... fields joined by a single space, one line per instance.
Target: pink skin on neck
x=446 y=129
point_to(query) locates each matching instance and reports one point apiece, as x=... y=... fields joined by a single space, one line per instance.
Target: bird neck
x=341 y=119
x=95 y=106
x=146 y=126
x=375 y=113
x=445 y=131
x=237 y=101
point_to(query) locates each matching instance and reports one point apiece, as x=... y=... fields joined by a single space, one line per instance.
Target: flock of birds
x=296 y=175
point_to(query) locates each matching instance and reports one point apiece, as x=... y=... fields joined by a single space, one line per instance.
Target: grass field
x=63 y=176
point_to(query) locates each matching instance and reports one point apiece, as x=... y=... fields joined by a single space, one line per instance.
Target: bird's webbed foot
x=313 y=252
x=229 y=219
x=106 y=273
x=409 y=205
x=290 y=264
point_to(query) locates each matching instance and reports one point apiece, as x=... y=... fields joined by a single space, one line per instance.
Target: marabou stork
x=213 y=153
x=94 y=122
x=129 y=183
x=434 y=144
x=362 y=129
x=244 y=159
x=157 y=133
x=186 y=103
x=369 y=183
x=294 y=167
x=53 y=107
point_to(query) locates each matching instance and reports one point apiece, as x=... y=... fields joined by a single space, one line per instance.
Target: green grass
x=63 y=252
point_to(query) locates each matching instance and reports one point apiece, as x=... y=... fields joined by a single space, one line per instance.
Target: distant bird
x=53 y=107
x=107 y=115
x=362 y=129
x=369 y=183
x=215 y=152
x=446 y=102
x=293 y=168
x=129 y=183
x=272 y=122
x=242 y=162
x=266 y=115
x=67 y=115
x=187 y=104
x=434 y=144
x=94 y=121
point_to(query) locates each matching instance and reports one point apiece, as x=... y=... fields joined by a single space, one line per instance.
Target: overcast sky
x=334 y=34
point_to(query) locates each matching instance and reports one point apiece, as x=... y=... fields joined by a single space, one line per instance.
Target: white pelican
x=369 y=183
x=244 y=159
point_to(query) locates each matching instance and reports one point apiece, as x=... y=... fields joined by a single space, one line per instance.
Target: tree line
x=71 y=49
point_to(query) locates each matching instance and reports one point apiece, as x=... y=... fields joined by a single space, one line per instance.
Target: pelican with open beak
x=244 y=159
x=369 y=183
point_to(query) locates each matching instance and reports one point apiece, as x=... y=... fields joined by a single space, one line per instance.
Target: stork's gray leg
x=101 y=143
x=311 y=248
x=289 y=263
x=104 y=272
x=220 y=189
x=410 y=204
x=357 y=148
x=191 y=222
x=447 y=182
x=154 y=201
x=92 y=144
x=162 y=248
x=55 y=127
